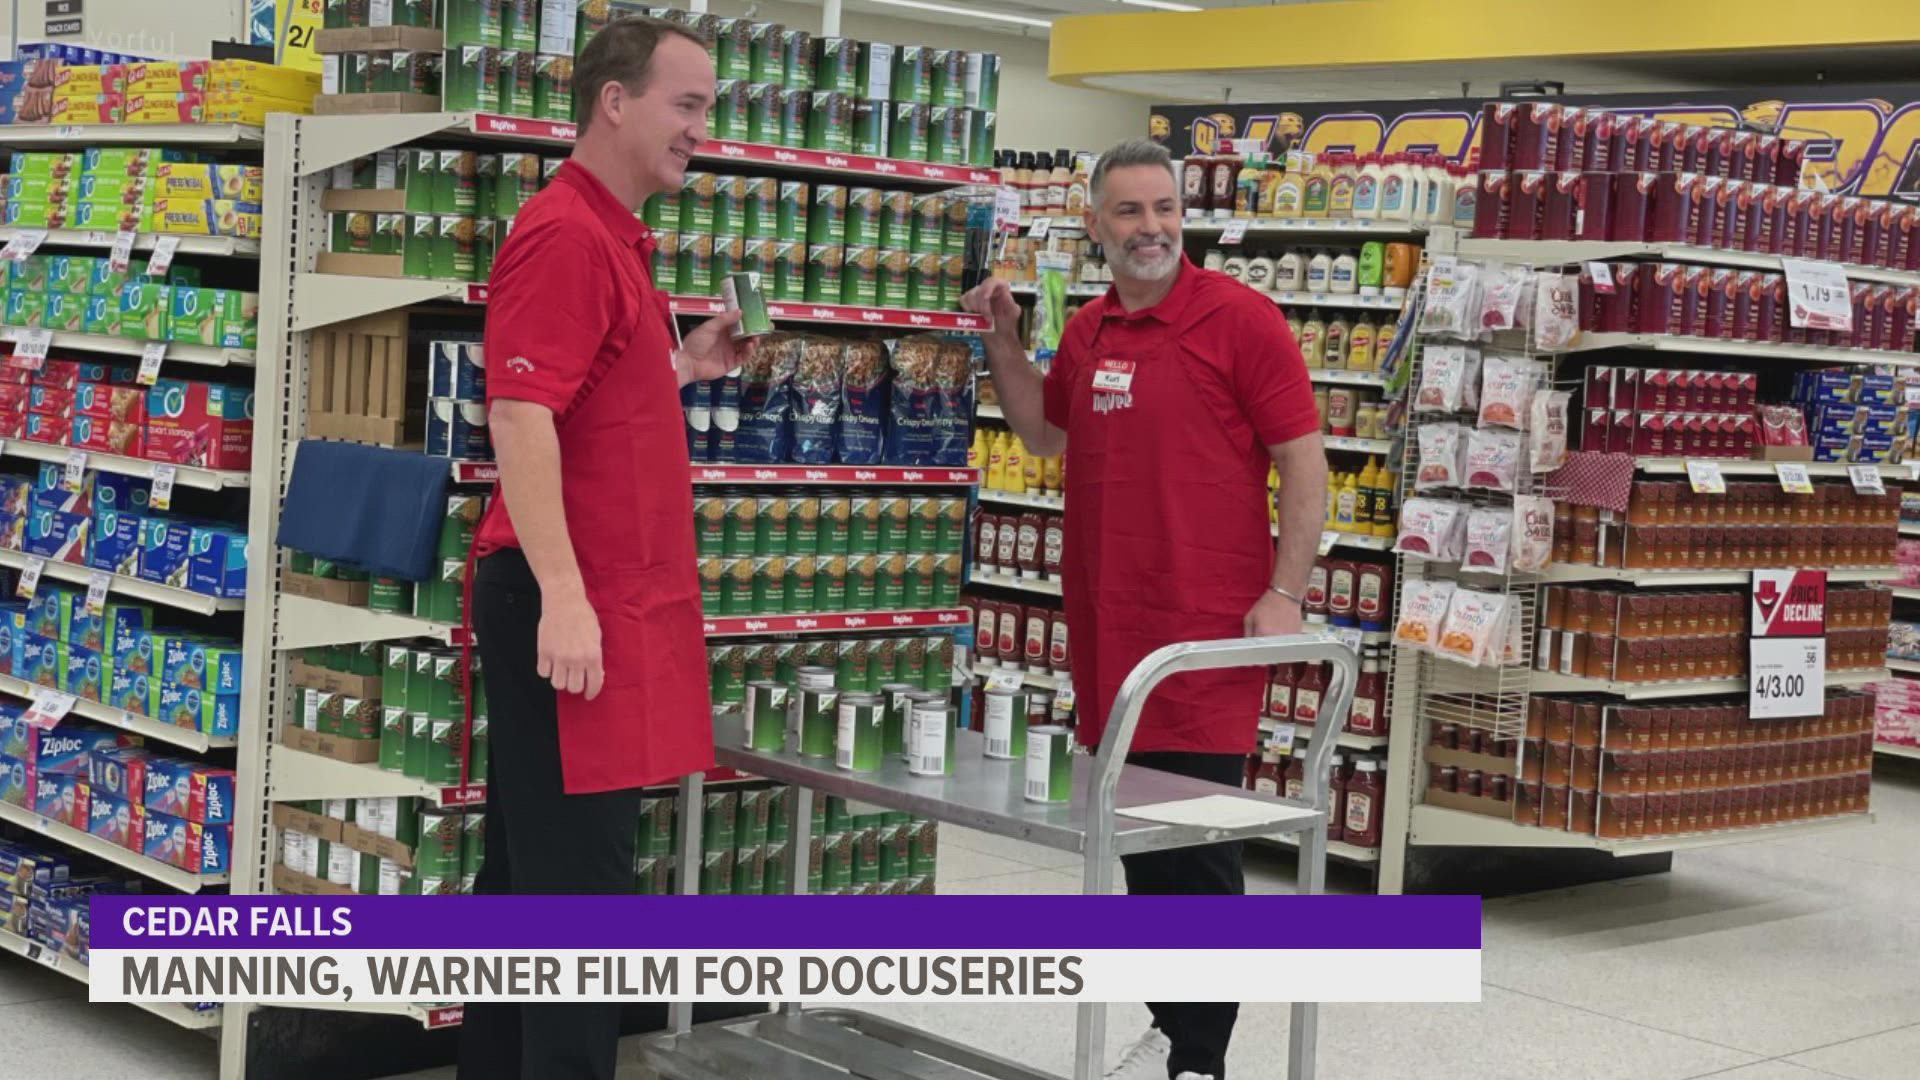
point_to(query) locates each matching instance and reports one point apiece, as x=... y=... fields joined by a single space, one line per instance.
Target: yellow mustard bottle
x=1033 y=473
x=1051 y=478
x=997 y=462
x=1016 y=476
x=977 y=451
x=1360 y=346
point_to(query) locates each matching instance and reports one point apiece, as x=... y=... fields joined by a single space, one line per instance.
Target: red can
x=1766 y=158
x=1749 y=233
x=1496 y=134
x=1759 y=289
x=1593 y=206
x=1873 y=248
x=1560 y=211
x=1797 y=224
x=1576 y=140
x=1693 y=150
x=1665 y=145
x=1743 y=305
x=1596 y=433
x=1864 y=234
x=1708 y=223
x=1846 y=229
x=1632 y=192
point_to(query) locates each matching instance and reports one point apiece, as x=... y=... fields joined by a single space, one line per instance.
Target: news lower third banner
x=971 y=949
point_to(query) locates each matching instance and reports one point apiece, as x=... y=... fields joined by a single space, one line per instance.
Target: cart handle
x=1167 y=660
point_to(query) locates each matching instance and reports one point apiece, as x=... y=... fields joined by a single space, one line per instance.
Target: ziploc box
x=128 y=160
x=43 y=662
x=86 y=675
x=202 y=663
x=60 y=535
x=29 y=273
x=120 y=772
x=199 y=710
x=195 y=848
x=190 y=790
x=145 y=310
x=117 y=821
x=218 y=561
x=13 y=635
x=16 y=778
x=164 y=546
x=65 y=749
x=102 y=632
x=53 y=612
x=134 y=692
x=199 y=423
x=64 y=312
x=116 y=539
x=62 y=798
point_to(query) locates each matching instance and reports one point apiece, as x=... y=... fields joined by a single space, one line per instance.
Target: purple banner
x=800 y=923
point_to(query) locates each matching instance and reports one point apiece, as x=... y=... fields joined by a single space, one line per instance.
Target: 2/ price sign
x=1787 y=653
x=1818 y=296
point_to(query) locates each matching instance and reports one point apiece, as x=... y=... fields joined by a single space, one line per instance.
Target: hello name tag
x=1115 y=376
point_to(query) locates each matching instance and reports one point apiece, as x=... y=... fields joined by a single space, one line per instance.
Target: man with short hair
x=1170 y=395
x=585 y=602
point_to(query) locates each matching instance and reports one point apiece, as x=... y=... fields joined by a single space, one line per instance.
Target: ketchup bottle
x=1280 y=692
x=1296 y=777
x=1368 y=717
x=1267 y=777
x=1306 y=696
x=1362 y=818
x=1337 y=799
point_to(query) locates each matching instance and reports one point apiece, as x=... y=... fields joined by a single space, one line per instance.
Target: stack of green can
x=422 y=717
x=499 y=59
x=863 y=664
x=442 y=598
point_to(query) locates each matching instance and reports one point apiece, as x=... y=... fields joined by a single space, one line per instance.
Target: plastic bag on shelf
x=1431 y=529
x=1443 y=449
x=1532 y=537
x=1423 y=608
x=1474 y=627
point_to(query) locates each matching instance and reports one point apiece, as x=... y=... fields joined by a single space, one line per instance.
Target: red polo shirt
x=575 y=324
x=1169 y=412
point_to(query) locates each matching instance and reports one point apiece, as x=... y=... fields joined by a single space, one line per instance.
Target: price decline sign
x=1787 y=652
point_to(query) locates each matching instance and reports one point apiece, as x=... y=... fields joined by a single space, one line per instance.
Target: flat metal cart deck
x=793 y=1043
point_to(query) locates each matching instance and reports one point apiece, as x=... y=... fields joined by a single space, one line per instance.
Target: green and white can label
x=1049 y=764
x=893 y=734
x=856 y=746
x=930 y=743
x=741 y=292
x=1006 y=725
x=767 y=704
x=818 y=720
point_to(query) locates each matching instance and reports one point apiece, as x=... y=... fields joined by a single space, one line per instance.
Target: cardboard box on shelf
x=207 y=217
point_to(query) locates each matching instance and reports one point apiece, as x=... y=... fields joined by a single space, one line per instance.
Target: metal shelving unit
x=1008 y=581
x=104 y=240
x=130 y=587
x=146 y=727
x=180 y=352
x=186 y=476
x=1303 y=226
x=1762 y=350
x=1023 y=498
x=171 y=876
x=1439 y=827
x=1568 y=252
x=67 y=136
x=1562 y=572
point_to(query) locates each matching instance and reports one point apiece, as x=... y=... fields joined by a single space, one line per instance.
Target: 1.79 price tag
x=1004 y=682
x=1818 y=296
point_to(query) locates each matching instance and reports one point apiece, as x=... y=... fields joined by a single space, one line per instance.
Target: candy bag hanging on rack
x=1547 y=430
x=1423 y=607
x=767 y=368
x=816 y=400
x=1501 y=295
x=1556 y=311
x=1430 y=529
x=1474 y=627
x=863 y=402
x=1442 y=456
x=1532 y=536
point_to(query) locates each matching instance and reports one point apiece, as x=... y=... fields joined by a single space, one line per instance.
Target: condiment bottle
x=1337 y=798
x=1006 y=164
x=1319 y=272
x=1359 y=346
x=1401 y=261
x=1466 y=197
x=1053 y=546
x=978 y=452
x=1306 y=695
x=1058 y=181
x=1023 y=180
x=1416 y=186
x=1224 y=176
x=1363 y=504
x=1290 y=191
x=1011 y=618
x=1366 y=188
x=1059 y=656
x=1268 y=777
x=1340 y=590
x=997 y=461
x=1055 y=477
x=1333 y=349
x=1290 y=273
x=1373 y=595
x=1280 y=692
x=1193 y=185
x=1340 y=188
x=988 y=542
x=1343 y=279
x=1038 y=619
x=1319 y=185
x=1394 y=182
x=1370 y=268
x=1260 y=273
x=1037 y=184
x=1361 y=824
x=1315 y=605
x=1014 y=476
x=1295 y=783
x=1347 y=495
x=1438 y=206
x=1383 y=508
x=1030 y=471
x=1367 y=717
x=1313 y=340
x=1246 y=190
x=1028 y=550
x=1077 y=186
x=1007 y=546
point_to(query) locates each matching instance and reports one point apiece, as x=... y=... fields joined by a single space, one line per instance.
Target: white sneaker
x=1145 y=1059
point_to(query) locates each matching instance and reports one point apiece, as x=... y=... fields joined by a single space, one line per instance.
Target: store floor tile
x=21 y=981
x=1767 y=1070
x=1890 y=1055
x=70 y=1038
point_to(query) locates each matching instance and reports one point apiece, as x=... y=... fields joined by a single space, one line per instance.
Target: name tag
x=1115 y=376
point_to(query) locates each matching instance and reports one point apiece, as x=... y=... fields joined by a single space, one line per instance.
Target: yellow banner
x=300 y=20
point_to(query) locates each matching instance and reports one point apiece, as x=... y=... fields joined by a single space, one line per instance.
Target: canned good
x=863 y=216
x=772 y=524
x=726 y=674
x=983 y=131
x=827 y=215
x=947 y=579
x=858 y=744
x=1049 y=764
x=740 y=523
x=863 y=523
x=789 y=270
x=929 y=225
x=1005 y=724
x=733 y=48
x=923 y=846
x=831 y=124
x=696 y=202
x=950 y=531
x=836 y=861
x=893 y=511
x=726 y=205
x=693 y=265
x=911 y=660
x=891 y=581
x=796 y=52
x=913 y=74
x=829 y=582
x=982 y=81
x=930 y=741
x=923 y=522
x=453 y=247
x=953 y=273
x=825 y=273
x=769 y=584
x=818 y=721
x=855 y=668
x=765 y=62
x=899 y=698
x=872 y=120
x=858 y=282
x=863 y=583
x=741 y=291
x=946 y=134
x=953 y=237
x=937 y=672
x=758 y=206
x=833 y=534
x=923 y=281
x=890 y=278
x=661 y=210
x=907 y=131
x=726 y=261
x=796 y=108
x=756 y=257
x=918 y=586
x=763 y=113
x=390 y=594
x=736 y=588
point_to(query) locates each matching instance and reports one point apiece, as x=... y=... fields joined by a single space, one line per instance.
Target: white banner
x=1253 y=975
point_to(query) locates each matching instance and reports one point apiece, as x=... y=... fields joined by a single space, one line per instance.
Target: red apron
x=629 y=504
x=1167 y=536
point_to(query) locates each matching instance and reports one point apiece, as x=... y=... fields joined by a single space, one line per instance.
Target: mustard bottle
x=1033 y=473
x=997 y=462
x=1360 y=346
x=977 y=451
x=1052 y=479
x=1014 y=467
x=1333 y=499
x=1382 y=515
x=1313 y=197
x=1313 y=334
x=1345 y=513
x=1340 y=188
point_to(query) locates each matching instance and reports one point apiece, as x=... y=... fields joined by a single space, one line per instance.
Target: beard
x=1145 y=260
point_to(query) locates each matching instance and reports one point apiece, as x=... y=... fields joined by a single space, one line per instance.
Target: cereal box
x=195 y=848
x=86 y=674
x=120 y=772
x=190 y=790
x=144 y=311
x=60 y=535
x=203 y=664
x=135 y=693
x=61 y=797
x=117 y=821
x=63 y=312
x=163 y=552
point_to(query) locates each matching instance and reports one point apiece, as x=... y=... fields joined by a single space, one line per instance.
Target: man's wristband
x=1285 y=593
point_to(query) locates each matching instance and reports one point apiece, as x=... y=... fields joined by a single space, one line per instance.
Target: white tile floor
x=1787 y=960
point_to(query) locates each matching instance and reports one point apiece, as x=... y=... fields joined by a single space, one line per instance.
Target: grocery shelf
x=1290 y=298
x=476 y=472
x=887 y=475
x=1677 y=466
x=1562 y=572
x=1347 y=378
x=188 y=476
x=1895 y=663
x=1078 y=288
x=1549 y=683
x=1910 y=528
x=834 y=622
x=306 y=623
x=1896 y=749
x=1031 y=678
x=842 y=314
x=1567 y=252
x=1906 y=592
x=1806 y=354
x=1336 y=849
x=1358 y=446
x=1022 y=498
x=1305 y=733
x=1008 y=581
x=1436 y=826
x=104 y=240
x=178 y=352
x=45 y=956
x=1208 y=226
x=428 y=1016
x=323 y=299
x=299 y=776
x=123 y=585
x=171 y=876
x=1348 y=540
x=64 y=135
x=152 y=729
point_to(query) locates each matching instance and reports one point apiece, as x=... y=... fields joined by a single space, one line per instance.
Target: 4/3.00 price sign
x=1787 y=653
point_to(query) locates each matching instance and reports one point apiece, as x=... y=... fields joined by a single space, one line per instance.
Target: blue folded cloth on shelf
x=368 y=507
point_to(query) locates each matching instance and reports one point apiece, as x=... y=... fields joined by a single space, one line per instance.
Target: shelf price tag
x=1006 y=209
x=30 y=348
x=97 y=585
x=1787 y=652
x=1352 y=637
x=1234 y=232
x=1063 y=697
x=1283 y=737
x=1818 y=295
x=30 y=578
x=24 y=243
x=40 y=954
x=1705 y=478
x=1866 y=479
x=74 y=473
x=1038 y=230
x=163 y=250
x=1602 y=275
x=121 y=256
x=150 y=358
x=49 y=708
x=1003 y=681
x=1794 y=478
x=1328 y=538
x=161 y=497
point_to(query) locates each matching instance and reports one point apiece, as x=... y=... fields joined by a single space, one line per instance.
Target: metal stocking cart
x=985 y=794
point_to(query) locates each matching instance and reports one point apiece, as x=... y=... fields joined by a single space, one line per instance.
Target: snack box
x=218 y=565
x=128 y=160
x=54 y=611
x=70 y=274
x=191 y=180
x=202 y=663
x=61 y=797
x=117 y=821
x=43 y=662
x=60 y=535
x=128 y=438
x=63 y=312
x=37 y=215
x=163 y=551
x=78 y=105
x=189 y=707
x=43 y=163
x=145 y=310
x=199 y=423
x=134 y=692
x=49 y=430
x=195 y=848
x=189 y=789
x=207 y=217
x=46 y=189
x=120 y=772
x=86 y=676
x=65 y=749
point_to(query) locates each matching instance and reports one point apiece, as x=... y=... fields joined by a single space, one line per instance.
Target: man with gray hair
x=1169 y=396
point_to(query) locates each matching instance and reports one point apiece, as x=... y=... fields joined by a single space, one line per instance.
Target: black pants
x=539 y=840
x=1199 y=1031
